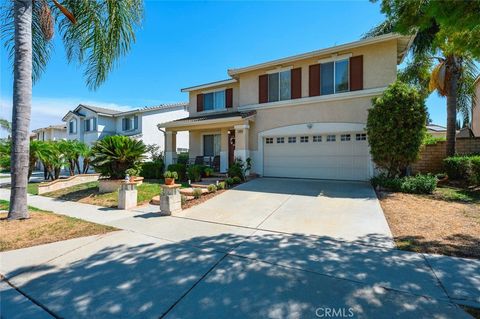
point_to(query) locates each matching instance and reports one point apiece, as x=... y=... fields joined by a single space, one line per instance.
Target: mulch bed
x=203 y=198
x=423 y=223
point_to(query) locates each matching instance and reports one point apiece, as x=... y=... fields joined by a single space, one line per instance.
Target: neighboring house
x=476 y=110
x=51 y=133
x=301 y=116
x=88 y=123
x=437 y=130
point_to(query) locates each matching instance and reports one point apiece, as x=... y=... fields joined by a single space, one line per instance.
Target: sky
x=182 y=44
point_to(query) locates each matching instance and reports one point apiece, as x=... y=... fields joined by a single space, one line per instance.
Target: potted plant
x=208 y=171
x=170 y=177
x=132 y=173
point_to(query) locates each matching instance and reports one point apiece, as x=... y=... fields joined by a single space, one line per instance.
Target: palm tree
x=95 y=32
x=453 y=77
x=5 y=125
x=113 y=155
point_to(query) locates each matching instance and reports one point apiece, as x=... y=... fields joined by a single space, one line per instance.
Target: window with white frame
x=280 y=140
x=72 y=127
x=269 y=140
x=214 y=100
x=129 y=123
x=331 y=138
x=303 y=139
x=345 y=137
x=279 y=88
x=317 y=138
x=90 y=124
x=292 y=139
x=361 y=137
x=334 y=77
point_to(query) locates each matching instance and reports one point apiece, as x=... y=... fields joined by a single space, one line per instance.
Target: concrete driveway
x=336 y=209
x=212 y=263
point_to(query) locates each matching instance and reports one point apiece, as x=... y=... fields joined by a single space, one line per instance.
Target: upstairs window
x=279 y=86
x=91 y=125
x=334 y=77
x=130 y=123
x=72 y=127
x=214 y=100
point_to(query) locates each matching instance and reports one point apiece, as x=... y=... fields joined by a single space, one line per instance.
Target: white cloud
x=49 y=111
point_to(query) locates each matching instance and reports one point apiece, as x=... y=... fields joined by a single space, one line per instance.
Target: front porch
x=215 y=140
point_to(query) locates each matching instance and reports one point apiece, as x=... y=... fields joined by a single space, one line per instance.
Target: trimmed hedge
x=152 y=170
x=419 y=184
x=463 y=168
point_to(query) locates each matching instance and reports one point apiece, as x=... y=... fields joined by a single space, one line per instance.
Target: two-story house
x=88 y=123
x=51 y=133
x=301 y=116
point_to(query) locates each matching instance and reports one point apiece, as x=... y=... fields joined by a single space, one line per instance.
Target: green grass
x=4 y=204
x=458 y=194
x=32 y=188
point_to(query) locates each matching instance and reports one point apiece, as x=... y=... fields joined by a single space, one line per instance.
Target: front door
x=231 y=147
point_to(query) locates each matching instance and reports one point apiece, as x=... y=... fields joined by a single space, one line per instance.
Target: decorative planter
x=109 y=185
x=132 y=179
x=169 y=181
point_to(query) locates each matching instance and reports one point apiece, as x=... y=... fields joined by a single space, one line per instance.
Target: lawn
x=446 y=222
x=88 y=193
x=42 y=228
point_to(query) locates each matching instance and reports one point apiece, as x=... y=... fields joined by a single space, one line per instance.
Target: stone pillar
x=170 y=147
x=127 y=196
x=170 y=199
x=241 y=142
x=224 y=150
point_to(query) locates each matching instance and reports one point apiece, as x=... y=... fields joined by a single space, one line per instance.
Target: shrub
x=475 y=170
x=229 y=181
x=197 y=192
x=237 y=180
x=429 y=139
x=211 y=188
x=419 y=184
x=152 y=170
x=113 y=155
x=183 y=199
x=221 y=185
x=183 y=158
x=457 y=167
x=170 y=174
x=236 y=169
x=194 y=173
x=179 y=168
x=132 y=172
x=396 y=127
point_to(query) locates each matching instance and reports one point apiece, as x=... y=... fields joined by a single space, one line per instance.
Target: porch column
x=241 y=141
x=170 y=147
x=224 y=150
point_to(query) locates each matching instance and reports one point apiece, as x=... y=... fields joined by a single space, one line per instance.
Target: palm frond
x=41 y=47
x=385 y=27
x=417 y=72
x=104 y=32
x=466 y=88
x=437 y=79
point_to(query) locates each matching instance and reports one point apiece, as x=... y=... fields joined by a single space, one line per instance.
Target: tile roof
x=215 y=116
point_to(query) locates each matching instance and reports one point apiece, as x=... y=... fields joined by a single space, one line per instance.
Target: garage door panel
x=347 y=160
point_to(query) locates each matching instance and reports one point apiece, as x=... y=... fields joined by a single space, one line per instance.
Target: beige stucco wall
x=353 y=110
x=476 y=112
x=379 y=70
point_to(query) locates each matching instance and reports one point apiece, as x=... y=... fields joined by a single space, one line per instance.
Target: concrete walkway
x=176 y=267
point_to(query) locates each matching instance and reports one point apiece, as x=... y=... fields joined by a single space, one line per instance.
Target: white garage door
x=325 y=156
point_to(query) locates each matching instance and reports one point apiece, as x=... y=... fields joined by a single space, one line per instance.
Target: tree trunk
x=452 y=69
x=22 y=104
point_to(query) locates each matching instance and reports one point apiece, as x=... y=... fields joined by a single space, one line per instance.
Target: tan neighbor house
x=301 y=116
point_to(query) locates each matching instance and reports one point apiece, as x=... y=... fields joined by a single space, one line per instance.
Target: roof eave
x=342 y=47
x=208 y=85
